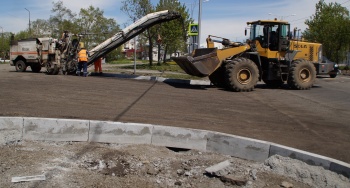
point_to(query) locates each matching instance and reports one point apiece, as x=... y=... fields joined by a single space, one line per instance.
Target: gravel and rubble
x=80 y=164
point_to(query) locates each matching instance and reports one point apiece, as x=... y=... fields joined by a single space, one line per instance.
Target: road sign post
x=193 y=30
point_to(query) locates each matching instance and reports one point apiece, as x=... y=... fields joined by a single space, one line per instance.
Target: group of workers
x=82 y=58
x=82 y=63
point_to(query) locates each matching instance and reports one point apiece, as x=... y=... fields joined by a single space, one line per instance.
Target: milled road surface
x=315 y=120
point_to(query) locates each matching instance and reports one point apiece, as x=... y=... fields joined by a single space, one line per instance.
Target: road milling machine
x=270 y=54
x=61 y=55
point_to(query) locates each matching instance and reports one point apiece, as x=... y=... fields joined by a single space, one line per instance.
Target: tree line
x=328 y=25
x=97 y=28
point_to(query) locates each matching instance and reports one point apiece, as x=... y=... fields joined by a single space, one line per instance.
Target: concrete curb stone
x=158 y=79
x=307 y=157
x=179 y=137
x=238 y=146
x=122 y=133
x=11 y=129
x=49 y=129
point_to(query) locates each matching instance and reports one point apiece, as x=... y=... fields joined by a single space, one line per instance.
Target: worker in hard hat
x=82 y=62
x=64 y=41
x=98 y=66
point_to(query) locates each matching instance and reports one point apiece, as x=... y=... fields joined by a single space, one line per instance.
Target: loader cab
x=271 y=35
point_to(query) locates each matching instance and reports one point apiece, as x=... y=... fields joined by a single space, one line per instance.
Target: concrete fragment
x=286 y=184
x=180 y=172
x=253 y=174
x=219 y=169
x=28 y=178
x=152 y=171
x=234 y=180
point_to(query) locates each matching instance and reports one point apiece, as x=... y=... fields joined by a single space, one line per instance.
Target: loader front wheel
x=302 y=75
x=217 y=78
x=21 y=66
x=241 y=74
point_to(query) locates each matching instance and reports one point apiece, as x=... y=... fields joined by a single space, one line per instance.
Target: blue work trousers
x=82 y=65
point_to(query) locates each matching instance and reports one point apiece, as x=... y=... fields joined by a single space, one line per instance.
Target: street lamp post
x=29 y=21
x=199 y=22
x=2 y=44
x=282 y=17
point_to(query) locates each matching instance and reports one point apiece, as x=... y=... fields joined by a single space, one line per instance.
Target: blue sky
x=225 y=18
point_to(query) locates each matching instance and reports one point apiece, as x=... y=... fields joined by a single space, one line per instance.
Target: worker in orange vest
x=98 y=66
x=82 y=62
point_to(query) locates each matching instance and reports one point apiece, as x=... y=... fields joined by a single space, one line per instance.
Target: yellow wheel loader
x=269 y=55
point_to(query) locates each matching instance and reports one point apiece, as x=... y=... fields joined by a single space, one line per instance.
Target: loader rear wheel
x=21 y=66
x=333 y=75
x=241 y=74
x=218 y=77
x=302 y=75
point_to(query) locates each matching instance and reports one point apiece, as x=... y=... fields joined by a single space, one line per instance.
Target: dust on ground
x=81 y=164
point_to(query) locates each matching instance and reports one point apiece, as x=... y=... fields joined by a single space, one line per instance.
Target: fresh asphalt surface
x=315 y=120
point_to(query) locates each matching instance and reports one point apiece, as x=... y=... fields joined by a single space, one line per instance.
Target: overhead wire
x=296 y=21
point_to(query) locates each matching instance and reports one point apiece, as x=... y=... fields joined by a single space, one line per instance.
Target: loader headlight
x=320 y=54
x=336 y=65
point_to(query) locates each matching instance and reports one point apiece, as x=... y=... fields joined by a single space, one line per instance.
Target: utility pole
x=2 y=44
x=135 y=51
x=199 y=24
x=29 y=21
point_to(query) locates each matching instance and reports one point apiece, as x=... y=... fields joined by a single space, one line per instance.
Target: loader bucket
x=202 y=64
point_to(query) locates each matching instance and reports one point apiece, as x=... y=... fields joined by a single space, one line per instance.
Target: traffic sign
x=193 y=29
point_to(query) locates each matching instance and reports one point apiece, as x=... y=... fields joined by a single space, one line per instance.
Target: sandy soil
x=71 y=164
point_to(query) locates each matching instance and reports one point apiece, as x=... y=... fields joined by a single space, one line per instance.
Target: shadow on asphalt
x=188 y=85
x=282 y=87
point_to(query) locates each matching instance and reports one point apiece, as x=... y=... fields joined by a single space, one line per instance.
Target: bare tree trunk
x=150 y=51
x=165 y=52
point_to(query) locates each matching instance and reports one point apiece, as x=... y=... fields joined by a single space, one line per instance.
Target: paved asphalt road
x=315 y=120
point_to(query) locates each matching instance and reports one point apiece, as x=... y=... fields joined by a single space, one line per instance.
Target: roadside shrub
x=344 y=67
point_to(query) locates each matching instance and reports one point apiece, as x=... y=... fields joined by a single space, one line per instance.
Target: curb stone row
x=14 y=129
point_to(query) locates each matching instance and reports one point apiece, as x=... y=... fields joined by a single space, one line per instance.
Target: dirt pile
x=71 y=164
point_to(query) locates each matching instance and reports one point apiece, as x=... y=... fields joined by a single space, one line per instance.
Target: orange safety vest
x=82 y=55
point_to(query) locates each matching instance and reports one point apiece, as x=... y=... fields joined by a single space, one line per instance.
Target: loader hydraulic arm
x=130 y=32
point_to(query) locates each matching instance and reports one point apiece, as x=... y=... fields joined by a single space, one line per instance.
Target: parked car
x=4 y=60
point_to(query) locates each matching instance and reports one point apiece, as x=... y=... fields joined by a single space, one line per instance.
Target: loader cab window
x=264 y=33
x=270 y=35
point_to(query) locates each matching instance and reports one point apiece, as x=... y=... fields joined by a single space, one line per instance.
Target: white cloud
x=229 y=19
x=226 y=18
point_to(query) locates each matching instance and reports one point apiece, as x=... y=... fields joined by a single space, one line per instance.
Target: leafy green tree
x=62 y=20
x=330 y=26
x=22 y=35
x=41 y=27
x=96 y=28
x=173 y=33
x=5 y=39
